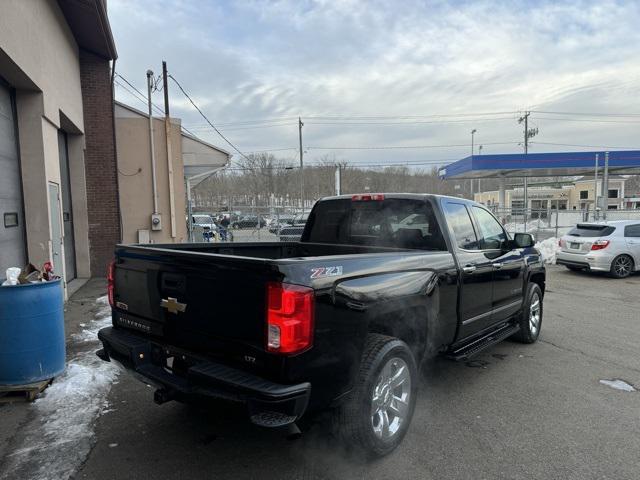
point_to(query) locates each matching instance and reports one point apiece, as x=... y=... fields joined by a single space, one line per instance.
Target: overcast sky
x=246 y=61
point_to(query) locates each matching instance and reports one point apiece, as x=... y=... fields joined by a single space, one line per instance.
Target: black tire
x=527 y=332
x=621 y=266
x=355 y=422
x=574 y=269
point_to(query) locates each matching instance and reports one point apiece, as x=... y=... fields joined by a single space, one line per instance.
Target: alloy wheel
x=534 y=314
x=391 y=399
x=622 y=266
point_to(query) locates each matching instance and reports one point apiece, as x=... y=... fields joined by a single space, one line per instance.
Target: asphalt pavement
x=514 y=412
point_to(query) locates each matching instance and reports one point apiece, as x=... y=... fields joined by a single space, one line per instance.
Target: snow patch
x=549 y=249
x=618 y=385
x=61 y=435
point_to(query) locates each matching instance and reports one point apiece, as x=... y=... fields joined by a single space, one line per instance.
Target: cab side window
x=492 y=235
x=460 y=221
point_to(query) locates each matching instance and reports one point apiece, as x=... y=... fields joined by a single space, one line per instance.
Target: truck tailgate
x=207 y=303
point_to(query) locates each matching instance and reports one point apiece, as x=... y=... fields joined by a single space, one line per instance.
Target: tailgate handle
x=173 y=282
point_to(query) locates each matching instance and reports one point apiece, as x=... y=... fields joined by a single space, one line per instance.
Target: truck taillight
x=111 y=281
x=599 y=244
x=376 y=197
x=289 y=318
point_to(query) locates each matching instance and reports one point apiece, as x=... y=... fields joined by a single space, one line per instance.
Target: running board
x=467 y=351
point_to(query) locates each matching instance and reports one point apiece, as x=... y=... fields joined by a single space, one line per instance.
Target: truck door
x=476 y=289
x=507 y=263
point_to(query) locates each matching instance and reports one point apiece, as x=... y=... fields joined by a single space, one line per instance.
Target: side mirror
x=523 y=240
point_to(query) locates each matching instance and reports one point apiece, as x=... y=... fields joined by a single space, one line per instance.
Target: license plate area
x=574 y=246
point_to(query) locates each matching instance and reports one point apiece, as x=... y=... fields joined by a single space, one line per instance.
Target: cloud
x=258 y=59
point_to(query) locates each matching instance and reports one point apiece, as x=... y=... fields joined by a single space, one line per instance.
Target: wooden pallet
x=22 y=393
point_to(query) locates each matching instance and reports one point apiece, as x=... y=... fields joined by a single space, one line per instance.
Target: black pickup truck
x=340 y=319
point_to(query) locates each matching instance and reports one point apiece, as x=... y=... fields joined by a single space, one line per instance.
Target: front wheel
x=378 y=413
x=531 y=318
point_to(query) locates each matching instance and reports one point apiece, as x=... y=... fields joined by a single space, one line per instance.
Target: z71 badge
x=322 y=272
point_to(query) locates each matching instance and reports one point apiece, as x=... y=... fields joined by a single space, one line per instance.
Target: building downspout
x=115 y=149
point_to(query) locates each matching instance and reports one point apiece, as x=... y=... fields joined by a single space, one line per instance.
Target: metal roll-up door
x=12 y=241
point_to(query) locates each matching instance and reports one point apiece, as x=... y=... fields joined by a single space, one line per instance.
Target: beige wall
x=39 y=58
x=589 y=186
x=35 y=35
x=134 y=176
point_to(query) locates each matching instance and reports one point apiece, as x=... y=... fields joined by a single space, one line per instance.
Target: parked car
x=279 y=222
x=206 y=226
x=293 y=231
x=341 y=319
x=249 y=221
x=612 y=247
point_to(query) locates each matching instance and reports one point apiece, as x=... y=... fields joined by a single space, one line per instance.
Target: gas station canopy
x=541 y=164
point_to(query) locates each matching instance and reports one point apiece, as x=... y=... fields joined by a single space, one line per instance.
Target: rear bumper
x=591 y=261
x=270 y=404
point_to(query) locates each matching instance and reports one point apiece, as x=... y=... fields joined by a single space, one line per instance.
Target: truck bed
x=223 y=290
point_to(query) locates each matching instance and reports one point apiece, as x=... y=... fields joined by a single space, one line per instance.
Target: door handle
x=497 y=265
x=469 y=269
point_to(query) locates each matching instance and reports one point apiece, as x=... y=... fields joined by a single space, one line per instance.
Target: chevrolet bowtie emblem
x=173 y=305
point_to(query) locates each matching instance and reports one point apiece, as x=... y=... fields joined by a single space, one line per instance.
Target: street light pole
x=300 y=125
x=471 y=181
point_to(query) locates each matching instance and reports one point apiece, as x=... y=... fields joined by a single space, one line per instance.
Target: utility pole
x=528 y=133
x=605 y=186
x=300 y=125
x=595 y=191
x=167 y=131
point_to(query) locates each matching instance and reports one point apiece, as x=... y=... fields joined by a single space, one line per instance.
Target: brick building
x=58 y=188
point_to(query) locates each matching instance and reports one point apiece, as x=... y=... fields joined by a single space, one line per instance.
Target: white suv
x=612 y=247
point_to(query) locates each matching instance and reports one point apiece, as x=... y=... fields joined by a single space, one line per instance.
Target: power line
x=158 y=109
x=585 y=146
x=249 y=127
x=205 y=117
x=414 y=122
x=590 y=120
x=393 y=147
x=586 y=114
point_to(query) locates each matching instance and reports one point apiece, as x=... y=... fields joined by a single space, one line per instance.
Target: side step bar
x=467 y=351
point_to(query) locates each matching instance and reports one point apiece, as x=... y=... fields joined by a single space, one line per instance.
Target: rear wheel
x=531 y=318
x=377 y=414
x=622 y=266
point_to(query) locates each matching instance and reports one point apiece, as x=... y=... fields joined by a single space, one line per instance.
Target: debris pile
x=29 y=274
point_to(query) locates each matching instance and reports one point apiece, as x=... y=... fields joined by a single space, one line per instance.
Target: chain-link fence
x=555 y=223
x=249 y=223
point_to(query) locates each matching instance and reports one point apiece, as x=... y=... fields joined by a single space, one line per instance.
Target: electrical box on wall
x=156 y=221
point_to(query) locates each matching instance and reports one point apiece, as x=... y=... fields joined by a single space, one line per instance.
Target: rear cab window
x=392 y=222
x=587 y=230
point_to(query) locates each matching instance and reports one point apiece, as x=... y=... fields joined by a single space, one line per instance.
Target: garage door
x=12 y=244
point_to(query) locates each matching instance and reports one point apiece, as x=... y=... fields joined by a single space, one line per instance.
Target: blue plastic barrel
x=32 y=345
